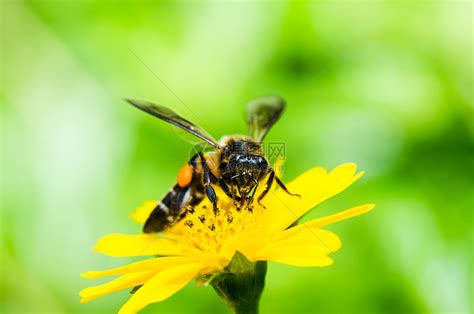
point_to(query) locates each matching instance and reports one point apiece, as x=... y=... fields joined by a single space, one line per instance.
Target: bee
x=237 y=164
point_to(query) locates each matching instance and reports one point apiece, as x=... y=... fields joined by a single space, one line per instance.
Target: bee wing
x=262 y=113
x=168 y=115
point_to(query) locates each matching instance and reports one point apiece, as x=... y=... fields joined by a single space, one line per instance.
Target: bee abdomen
x=167 y=211
x=187 y=191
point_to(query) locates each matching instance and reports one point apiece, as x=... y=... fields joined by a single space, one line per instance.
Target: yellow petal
x=320 y=222
x=123 y=282
x=162 y=286
x=121 y=245
x=348 y=213
x=314 y=186
x=152 y=264
x=212 y=259
x=142 y=213
x=302 y=255
x=306 y=247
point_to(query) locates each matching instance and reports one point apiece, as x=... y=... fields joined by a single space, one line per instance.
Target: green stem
x=241 y=285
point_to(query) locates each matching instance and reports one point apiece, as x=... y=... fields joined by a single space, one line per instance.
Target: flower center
x=203 y=229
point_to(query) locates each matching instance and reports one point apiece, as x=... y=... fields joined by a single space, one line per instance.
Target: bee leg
x=250 y=200
x=208 y=177
x=196 y=199
x=235 y=198
x=280 y=184
x=225 y=188
x=211 y=194
x=267 y=188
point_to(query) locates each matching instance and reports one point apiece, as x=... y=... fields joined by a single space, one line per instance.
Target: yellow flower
x=203 y=243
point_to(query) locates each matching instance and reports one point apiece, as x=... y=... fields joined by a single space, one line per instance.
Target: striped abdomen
x=187 y=192
x=168 y=210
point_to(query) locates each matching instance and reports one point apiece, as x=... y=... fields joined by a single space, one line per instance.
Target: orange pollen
x=185 y=175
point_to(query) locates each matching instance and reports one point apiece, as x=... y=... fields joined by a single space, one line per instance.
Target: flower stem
x=241 y=285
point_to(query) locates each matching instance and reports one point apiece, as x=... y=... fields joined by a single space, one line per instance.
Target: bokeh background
x=387 y=85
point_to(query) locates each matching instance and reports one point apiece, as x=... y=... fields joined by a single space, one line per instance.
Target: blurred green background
x=387 y=85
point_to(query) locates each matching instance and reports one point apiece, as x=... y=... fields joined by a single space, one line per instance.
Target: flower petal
x=323 y=241
x=120 y=245
x=122 y=282
x=320 y=222
x=305 y=247
x=302 y=255
x=142 y=213
x=152 y=264
x=162 y=286
x=346 y=214
x=314 y=186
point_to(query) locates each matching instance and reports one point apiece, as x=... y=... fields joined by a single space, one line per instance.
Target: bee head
x=245 y=172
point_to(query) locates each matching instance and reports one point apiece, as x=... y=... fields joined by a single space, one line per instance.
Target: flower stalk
x=241 y=284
